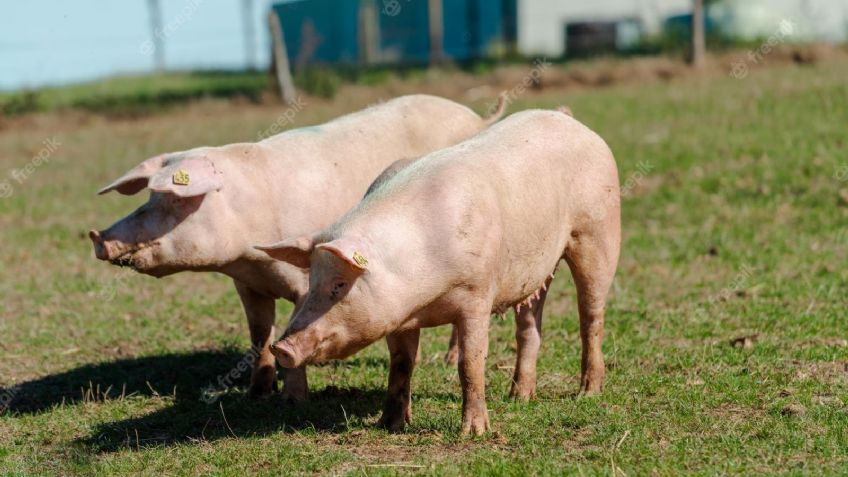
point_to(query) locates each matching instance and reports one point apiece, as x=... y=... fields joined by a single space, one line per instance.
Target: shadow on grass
x=188 y=373
x=234 y=415
x=192 y=416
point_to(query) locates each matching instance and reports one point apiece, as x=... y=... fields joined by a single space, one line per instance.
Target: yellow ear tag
x=360 y=260
x=180 y=178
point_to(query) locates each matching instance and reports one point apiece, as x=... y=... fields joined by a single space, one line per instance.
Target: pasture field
x=726 y=332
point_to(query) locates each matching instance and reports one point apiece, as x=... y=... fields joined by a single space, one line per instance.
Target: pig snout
x=297 y=347
x=106 y=249
x=287 y=354
x=101 y=250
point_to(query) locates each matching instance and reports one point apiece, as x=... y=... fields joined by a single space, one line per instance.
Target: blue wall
x=404 y=36
x=470 y=28
x=332 y=23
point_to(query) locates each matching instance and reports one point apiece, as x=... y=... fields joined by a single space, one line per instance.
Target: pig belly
x=522 y=280
x=536 y=227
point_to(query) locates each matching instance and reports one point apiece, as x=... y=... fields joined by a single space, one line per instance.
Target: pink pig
x=209 y=205
x=460 y=234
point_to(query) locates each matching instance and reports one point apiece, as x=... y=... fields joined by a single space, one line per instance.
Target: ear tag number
x=360 y=260
x=180 y=178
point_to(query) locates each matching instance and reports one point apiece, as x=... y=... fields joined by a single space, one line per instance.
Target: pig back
x=317 y=173
x=529 y=181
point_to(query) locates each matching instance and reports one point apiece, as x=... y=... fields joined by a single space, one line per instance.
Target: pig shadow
x=187 y=373
x=192 y=415
x=331 y=410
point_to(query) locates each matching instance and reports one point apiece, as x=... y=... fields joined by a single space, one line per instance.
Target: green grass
x=734 y=226
x=133 y=95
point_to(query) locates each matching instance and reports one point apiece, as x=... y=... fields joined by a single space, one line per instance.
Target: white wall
x=541 y=22
x=811 y=19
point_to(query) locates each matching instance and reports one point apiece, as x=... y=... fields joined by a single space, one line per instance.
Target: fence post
x=282 y=70
x=368 y=36
x=698 y=40
x=436 y=30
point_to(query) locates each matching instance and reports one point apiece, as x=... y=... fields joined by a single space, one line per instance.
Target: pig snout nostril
x=100 y=249
x=284 y=354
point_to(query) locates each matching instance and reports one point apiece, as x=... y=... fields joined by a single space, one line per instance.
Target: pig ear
x=187 y=178
x=136 y=179
x=294 y=251
x=350 y=251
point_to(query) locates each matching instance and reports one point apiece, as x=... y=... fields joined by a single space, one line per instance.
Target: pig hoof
x=586 y=392
x=397 y=413
x=294 y=396
x=392 y=422
x=522 y=393
x=263 y=383
x=476 y=424
x=260 y=392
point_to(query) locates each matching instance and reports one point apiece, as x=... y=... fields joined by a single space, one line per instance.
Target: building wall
x=812 y=20
x=541 y=22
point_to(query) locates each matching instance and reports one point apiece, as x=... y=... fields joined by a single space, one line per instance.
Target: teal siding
x=471 y=27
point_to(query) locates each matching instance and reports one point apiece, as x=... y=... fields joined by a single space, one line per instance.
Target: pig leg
x=593 y=259
x=295 y=387
x=528 y=333
x=397 y=410
x=452 y=356
x=260 y=319
x=473 y=336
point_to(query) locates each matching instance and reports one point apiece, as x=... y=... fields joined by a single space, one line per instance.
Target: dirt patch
x=598 y=73
x=826 y=372
x=828 y=342
x=734 y=413
x=390 y=453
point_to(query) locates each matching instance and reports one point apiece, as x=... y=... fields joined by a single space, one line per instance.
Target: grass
x=133 y=95
x=725 y=346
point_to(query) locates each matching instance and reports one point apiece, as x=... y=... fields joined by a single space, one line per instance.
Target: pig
x=471 y=230
x=209 y=205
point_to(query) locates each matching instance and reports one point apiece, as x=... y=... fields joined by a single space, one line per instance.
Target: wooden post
x=368 y=37
x=698 y=35
x=282 y=70
x=436 y=31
